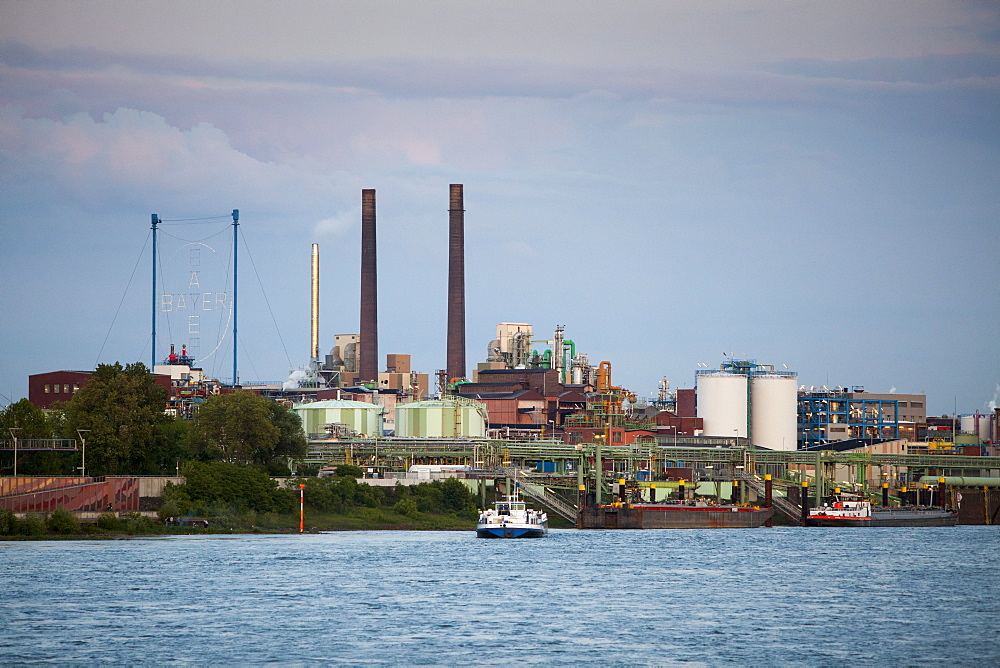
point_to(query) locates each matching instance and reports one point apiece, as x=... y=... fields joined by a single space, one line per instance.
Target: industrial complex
x=537 y=403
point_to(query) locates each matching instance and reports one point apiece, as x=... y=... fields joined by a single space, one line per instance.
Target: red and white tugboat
x=851 y=510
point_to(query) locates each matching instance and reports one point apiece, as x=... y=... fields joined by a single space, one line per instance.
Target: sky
x=809 y=184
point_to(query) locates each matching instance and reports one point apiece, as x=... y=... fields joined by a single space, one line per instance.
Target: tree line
x=232 y=496
x=128 y=433
x=213 y=487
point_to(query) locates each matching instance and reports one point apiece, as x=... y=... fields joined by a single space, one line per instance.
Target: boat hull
x=935 y=517
x=510 y=532
x=673 y=517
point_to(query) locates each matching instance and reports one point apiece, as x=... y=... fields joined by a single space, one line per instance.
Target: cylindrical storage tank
x=978 y=425
x=359 y=416
x=774 y=411
x=441 y=418
x=722 y=403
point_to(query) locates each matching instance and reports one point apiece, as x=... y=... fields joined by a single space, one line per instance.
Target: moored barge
x=672 y=516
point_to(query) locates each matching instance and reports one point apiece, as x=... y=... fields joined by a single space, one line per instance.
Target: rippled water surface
x=828 y=597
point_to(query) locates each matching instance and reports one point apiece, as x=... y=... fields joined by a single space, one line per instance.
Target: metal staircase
x=780 y=503
x=539 y=493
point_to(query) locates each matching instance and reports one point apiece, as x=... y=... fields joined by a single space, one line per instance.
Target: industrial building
x=50 y=387
x=45 y=389
x=839 y=414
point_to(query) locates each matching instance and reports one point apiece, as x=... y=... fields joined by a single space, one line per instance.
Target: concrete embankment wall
x=27 y=494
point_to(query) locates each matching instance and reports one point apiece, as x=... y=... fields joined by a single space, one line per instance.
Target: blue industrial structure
x=830 y=415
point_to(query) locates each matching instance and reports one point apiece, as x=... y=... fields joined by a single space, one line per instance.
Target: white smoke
x=332 y=228
x=892 y=390
x=295 y=379
x=992 y=404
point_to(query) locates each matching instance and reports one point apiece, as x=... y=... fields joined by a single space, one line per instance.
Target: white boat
x=511 y=518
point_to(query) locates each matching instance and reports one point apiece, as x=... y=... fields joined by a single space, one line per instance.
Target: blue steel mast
x=236 y=227
x=156 y=221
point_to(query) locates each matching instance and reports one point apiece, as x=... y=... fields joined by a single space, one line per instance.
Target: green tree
x=32 y=422
x=63 y=521
x=245 y=428
x=170 y=448
x=292 y=443
x=9 y=524
x=123 y=409
x=348 y=471
x=218 y=482
x=405 y=506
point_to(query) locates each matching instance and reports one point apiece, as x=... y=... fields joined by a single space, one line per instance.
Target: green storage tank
x=359 y=416
x=442 y=418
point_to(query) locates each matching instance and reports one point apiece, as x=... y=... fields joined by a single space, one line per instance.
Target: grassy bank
x=62 y=525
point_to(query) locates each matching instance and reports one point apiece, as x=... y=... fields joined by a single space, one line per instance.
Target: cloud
x=520 y=249
x=699 y=157
x=130 y=158
x=929 y=69
x=335 y=227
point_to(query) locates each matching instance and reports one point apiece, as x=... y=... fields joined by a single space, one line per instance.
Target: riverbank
x=62 y=526
x=353 y=519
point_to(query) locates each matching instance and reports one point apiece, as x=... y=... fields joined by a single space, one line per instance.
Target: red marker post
x=302 y=507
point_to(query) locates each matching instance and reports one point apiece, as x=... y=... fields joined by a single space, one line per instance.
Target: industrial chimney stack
x=368 y=355
x=456 y=284
x=314 y=330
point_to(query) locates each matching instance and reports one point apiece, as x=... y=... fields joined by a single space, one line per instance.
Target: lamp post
x=13 y=435
x=83 y=460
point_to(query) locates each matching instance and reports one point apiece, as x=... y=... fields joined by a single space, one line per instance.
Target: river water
x=786 y=596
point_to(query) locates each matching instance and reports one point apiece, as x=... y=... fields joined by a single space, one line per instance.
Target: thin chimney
x=314 y=330
x=456 y=284
x=368 y=350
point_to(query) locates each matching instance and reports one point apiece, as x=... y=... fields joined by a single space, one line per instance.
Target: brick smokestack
x=456 y=284
x=368 y=353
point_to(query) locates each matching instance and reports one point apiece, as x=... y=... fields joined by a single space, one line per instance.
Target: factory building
x=524 y=399
x=744 y=399
x=827 y=415
x=186 y=386
x=45 y=389
x=514 y=348
x=530 y=390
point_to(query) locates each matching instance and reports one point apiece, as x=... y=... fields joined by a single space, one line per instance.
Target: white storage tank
x=722 y=403
x=441 y=418
x=980 y=425
x=774 y=411
x=359 y=416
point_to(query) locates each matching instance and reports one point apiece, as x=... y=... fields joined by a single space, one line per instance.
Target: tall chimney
x=368 y=354
x=456 y=284
x=314 y=340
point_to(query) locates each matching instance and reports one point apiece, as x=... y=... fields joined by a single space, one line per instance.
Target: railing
x=66 y=444
x=780 y=503
x=539 y=493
